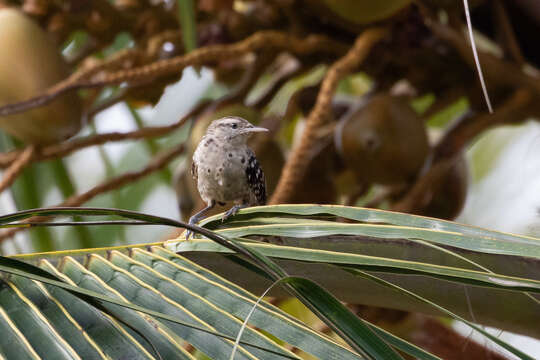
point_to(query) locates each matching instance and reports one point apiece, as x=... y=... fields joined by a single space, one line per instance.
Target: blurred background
x=103 y=102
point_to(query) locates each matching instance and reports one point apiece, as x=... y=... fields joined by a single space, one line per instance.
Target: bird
x=226 y=170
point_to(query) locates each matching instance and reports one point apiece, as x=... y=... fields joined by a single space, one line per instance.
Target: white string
x=475 y=54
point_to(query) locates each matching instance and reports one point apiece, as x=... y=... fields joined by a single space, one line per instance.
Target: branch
x=506 y=31
x=497 y=71
x=21 y=162
x=297 y=164
x=520 y=105
x=73 y=82
x=67 y=147
x=61 y=149
x=157 y=163
x=101 y=76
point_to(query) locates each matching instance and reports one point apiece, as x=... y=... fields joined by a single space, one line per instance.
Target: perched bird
x=225 y=169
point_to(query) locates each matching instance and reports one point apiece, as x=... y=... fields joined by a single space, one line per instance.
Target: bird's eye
x=234 y=126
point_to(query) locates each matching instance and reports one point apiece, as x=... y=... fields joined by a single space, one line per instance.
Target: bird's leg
x=198 y=216
x=232 y=211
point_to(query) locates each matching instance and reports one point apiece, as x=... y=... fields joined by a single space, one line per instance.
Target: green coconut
x=29 y=64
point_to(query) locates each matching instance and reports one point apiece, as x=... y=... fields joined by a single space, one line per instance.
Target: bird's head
x=232 y=129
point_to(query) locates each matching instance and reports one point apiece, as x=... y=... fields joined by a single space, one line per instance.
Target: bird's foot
x=232 y=211
x=192 y=221
x=198 y=216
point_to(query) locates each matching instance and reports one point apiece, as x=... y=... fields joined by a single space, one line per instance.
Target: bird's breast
x=221 y=172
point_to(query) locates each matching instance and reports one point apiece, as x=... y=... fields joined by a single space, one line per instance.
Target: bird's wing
x=255 y=178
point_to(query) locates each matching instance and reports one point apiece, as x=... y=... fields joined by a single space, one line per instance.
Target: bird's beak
x=253 y=129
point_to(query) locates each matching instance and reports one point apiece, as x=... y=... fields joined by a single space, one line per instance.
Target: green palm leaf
x=149 y=293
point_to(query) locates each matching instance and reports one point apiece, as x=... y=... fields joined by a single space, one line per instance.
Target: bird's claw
x=231 y=212
x=189 y=233
x=198 y=216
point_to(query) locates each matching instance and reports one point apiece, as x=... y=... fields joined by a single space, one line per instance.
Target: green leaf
x=56 y=315
x=352 y=335
x=357 y=333
x=152 y=146
x=235 y=300
x=472 y=238
x=107 y=331
x=13 y=344
x=373 y=263
x=132 y=288
x=349 y=324
x=186 y=14
x=403 y=345
x=22 y=269
x=64 y=183
x=400 y=289
x=41 y=334
x=26 y=193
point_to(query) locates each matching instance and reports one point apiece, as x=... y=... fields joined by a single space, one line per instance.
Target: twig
x=417 y=196
x=515 y=109
x=101 y=76
x=297 y=164
x=20 y=163
x=67 y=147
x=210 y=54
x=71 y=83
x=506 y=32
x=114 y=61
x=155 y=164
x=497 y=71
